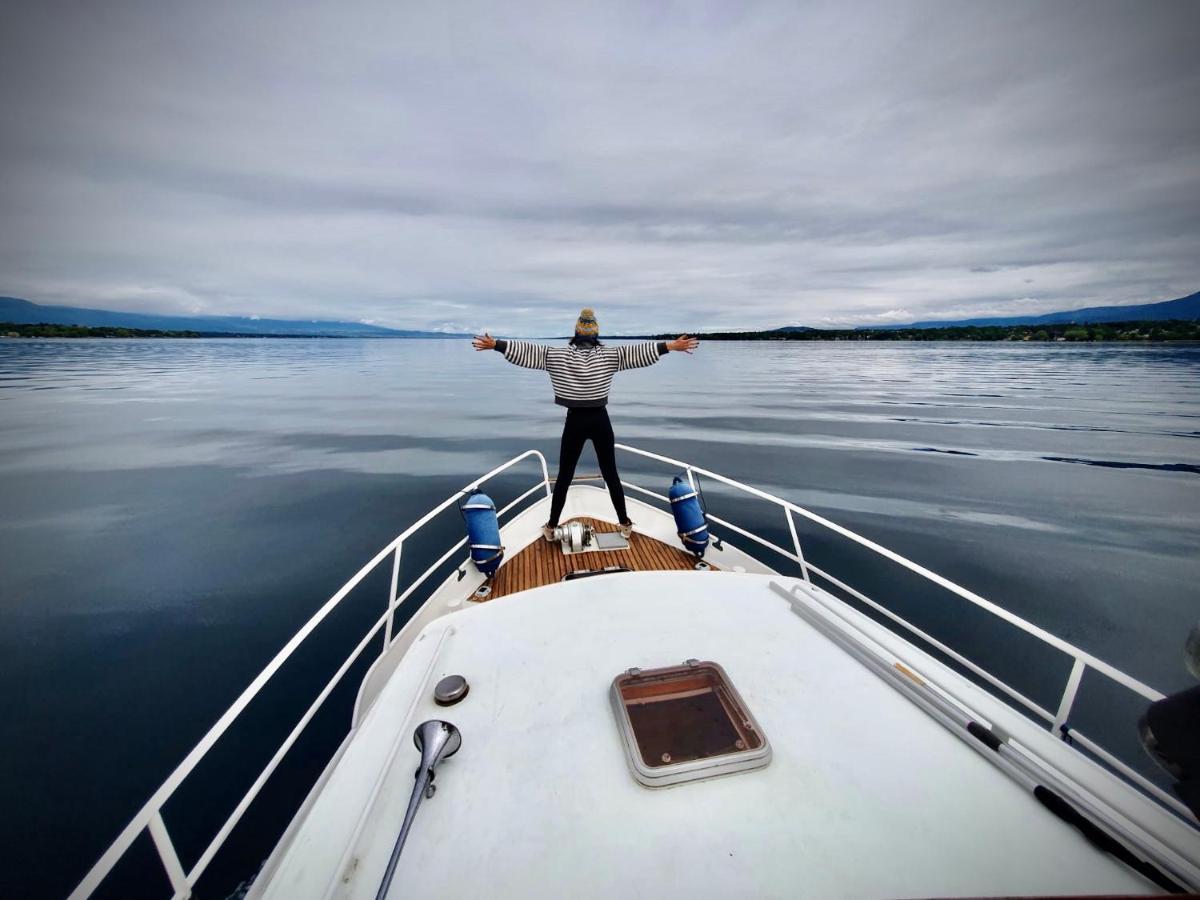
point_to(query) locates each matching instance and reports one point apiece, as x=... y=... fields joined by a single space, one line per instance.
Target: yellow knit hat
x=586 y=325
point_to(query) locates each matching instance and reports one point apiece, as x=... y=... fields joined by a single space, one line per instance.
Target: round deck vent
x=450 y=690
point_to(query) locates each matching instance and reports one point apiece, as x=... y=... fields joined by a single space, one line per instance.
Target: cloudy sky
x=675 y=166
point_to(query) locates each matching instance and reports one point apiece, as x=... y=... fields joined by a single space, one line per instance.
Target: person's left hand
x=487 y=342
x=683 y=343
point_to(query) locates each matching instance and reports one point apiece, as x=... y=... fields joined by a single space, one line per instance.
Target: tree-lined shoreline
x=1169 y=330
x=48 y=330
x=1100 y=332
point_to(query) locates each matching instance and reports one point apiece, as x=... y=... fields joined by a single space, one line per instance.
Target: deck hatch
x=685 y=722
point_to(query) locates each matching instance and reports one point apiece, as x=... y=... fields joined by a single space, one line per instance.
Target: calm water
x=170 y=512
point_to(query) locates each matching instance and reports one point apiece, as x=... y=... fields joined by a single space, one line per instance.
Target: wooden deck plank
x=543 y=563
x=545 y=568
x=523 y=573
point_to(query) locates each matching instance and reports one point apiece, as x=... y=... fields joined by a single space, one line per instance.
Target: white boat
x=793 y=746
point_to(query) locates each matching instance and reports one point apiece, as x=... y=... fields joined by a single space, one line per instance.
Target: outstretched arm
x=634 y=356
x=519 y=353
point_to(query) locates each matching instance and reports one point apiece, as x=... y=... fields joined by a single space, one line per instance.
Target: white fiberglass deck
x=865 y=795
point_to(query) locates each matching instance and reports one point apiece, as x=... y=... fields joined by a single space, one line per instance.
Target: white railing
x=150 y=819
x=1082 y=661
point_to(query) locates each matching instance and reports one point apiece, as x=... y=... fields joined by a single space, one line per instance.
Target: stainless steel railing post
x=796 y=543
x=391 y=604
x=168 y=855
x=1068 y=698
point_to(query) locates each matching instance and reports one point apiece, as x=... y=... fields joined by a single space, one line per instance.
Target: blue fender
x=483 y=533
x=690 y=521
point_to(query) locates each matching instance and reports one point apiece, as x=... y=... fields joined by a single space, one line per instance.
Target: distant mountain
x=792 y=329
x=1186 y=308
x=23 y=312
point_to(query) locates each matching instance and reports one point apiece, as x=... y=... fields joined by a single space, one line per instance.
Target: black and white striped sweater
x=581 y=376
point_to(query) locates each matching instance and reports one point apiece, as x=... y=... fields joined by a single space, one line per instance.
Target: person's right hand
x=487 y=342
x=683 y=343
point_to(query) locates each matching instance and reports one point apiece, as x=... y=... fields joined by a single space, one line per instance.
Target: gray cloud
x=673 y=165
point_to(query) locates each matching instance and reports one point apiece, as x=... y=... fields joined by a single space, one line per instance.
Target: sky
x=675 y=166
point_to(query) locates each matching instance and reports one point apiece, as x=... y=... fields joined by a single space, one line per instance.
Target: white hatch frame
x=736 y=713
x=182 y=879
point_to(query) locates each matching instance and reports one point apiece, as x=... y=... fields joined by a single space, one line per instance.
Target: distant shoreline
x=1172 y=331
x=48 y=330
x=1098 y=332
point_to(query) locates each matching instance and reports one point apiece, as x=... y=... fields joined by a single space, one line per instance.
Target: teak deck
x=543 y=563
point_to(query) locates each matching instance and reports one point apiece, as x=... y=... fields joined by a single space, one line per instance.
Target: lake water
x=171 y=511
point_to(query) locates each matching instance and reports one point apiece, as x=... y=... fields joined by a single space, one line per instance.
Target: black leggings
x=587 y=424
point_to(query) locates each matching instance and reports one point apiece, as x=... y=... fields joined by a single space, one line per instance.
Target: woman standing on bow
x=581 y=374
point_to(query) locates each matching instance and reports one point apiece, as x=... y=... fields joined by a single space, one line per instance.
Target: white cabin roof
x=865 y=794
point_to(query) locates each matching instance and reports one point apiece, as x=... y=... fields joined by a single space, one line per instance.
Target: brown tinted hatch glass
x=684 y=713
